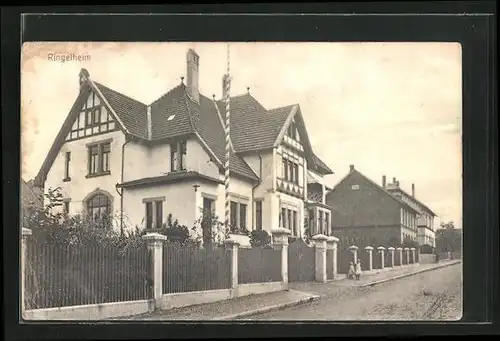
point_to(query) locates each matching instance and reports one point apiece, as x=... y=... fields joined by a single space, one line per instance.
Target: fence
x=58 y=276
x=189 y=268
x=364 y=258
x=301 y=258
x=377 y=260
x=259 y=265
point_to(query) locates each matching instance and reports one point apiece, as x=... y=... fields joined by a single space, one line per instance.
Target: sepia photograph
x=241 y=181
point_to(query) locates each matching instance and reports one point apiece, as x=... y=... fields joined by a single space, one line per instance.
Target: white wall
x=179 y=200
x=142 y=161
x=80 y=186
x=267 y=171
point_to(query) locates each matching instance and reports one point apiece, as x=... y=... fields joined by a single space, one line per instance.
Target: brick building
x=426 y=230
x=366 y=211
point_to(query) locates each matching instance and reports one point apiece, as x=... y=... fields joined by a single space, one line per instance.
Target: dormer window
x=178 y=151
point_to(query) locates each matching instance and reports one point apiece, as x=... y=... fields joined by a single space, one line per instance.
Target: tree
x=448 y=238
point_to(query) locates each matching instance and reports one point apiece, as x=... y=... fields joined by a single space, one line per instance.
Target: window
x=327 y=223
x=311 y=222
x=149 y=215
x=285 y=169
x=290 y=171
x=159 y=214
x=290 y=221
x=292 y=130
x=258 y=215
x=99 y=163
x=66 y=166
x=234 y=214
x=295 y=224
x=283 y=218
x=320 y=218
x=154 y=212
x=105 y=157
x=178 y=151
x=238 y=216
x=296 y=173
x=243 y=216
x=93 y=159
x=98 y=207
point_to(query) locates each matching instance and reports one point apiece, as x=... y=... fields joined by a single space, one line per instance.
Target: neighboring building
x=426 y=231
x=365 y=210
x=116 y=155
x=31 y=199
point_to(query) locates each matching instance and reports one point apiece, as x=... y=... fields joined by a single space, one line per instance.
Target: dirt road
x=433 y=295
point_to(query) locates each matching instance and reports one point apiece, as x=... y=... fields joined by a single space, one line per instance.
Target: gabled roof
x=252 y=126
x=132 y=113
x=399 y=189
x=377 y=186
x=175 y=114
x=322 y=167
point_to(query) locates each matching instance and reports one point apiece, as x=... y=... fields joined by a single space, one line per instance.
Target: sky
x=391 y=109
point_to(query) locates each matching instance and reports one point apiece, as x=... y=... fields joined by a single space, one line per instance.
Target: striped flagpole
x=228 y=146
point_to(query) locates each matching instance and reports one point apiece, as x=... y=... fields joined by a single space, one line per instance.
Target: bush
x=260 y=238
x=175 y=232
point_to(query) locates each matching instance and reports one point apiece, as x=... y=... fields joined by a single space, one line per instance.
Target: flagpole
x=228 y=145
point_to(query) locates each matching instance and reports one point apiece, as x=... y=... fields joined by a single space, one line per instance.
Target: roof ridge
x=186 y=100
x=373 y=183
x=167 y=93
x=118 y=92
x=282 y=107
x=414 y=198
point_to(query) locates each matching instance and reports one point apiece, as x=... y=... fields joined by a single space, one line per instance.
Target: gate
x=344 y=257
x=329 y=264
x=301 y=258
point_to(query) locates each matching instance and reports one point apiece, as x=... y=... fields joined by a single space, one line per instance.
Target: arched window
x=98 y=206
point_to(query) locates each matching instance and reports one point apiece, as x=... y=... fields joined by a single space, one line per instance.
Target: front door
x=206 y=223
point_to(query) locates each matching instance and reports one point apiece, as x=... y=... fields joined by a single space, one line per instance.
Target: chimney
x=413 y=190
x=351 y=167
x=225 y=80
x=384 y=184
x=193 y=75
x=83 y=76
x=397 y=183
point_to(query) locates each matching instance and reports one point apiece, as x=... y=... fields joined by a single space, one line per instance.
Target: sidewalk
x=372 y=278
x=231 y=309
x=299 y=293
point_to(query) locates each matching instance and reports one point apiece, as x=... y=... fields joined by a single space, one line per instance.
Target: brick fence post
x=369 y=249
x=280 y=242
x=407 y=255
x=354 y=250
x=155 y=245
x=400 y=253
x=233 y=246
x=24 y=240
x=320 y=257
x=391 y=256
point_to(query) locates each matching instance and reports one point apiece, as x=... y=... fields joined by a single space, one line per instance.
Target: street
x=433 y=295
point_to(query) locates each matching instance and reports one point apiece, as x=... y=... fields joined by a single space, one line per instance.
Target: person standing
x=350 y=274
x=358 y=270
